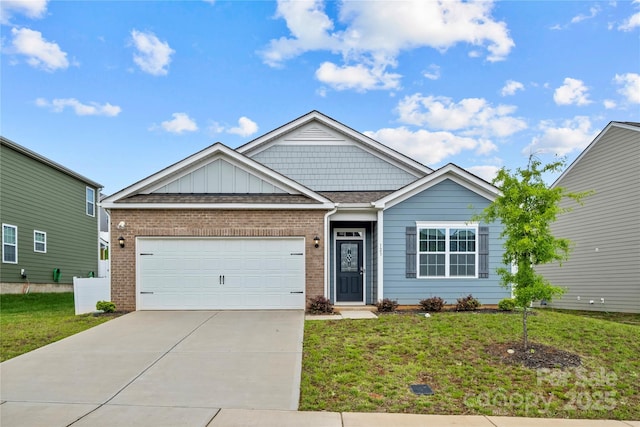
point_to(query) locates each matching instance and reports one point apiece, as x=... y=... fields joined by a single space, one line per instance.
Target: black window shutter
x=483 y=252
x=411 y=251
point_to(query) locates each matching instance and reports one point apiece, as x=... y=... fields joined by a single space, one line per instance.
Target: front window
x=91 y=201
x=39 y=241
x=448 y=250
x=9 y=244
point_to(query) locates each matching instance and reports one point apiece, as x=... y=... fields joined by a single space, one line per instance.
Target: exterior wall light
x=316 y=241
x=121 y=241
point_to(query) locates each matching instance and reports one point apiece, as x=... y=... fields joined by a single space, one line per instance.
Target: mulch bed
x=535 y=357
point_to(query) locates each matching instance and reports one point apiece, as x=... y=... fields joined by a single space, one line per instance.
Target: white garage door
x=227 y=273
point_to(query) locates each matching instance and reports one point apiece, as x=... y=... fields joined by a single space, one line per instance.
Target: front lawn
x=34 y=320
x=368 y=366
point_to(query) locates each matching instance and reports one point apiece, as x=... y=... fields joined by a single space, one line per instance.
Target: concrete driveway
x=158 y=368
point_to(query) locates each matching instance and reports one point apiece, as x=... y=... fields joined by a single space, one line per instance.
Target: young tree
x=527 y=207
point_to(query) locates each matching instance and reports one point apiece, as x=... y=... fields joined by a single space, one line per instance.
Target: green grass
x=34 y=320
x=368 y=366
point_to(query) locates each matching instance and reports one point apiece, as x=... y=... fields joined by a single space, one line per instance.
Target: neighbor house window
x=9 y=244
x=91 y=201
x=447 y=250
x=39 y=241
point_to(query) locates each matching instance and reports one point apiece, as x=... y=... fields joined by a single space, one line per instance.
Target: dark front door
x=349 y=272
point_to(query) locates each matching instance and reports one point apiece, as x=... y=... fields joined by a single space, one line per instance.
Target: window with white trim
x=9 y=244
x=91 y=201
x=447 y=250
x=39 y=241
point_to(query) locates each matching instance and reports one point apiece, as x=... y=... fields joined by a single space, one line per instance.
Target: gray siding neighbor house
x=49 y=217
x=313 y=208
x=603 y=271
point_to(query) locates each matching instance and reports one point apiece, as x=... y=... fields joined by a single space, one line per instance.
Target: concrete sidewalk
x=244 y=418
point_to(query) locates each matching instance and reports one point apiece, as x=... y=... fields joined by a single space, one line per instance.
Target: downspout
x=327 y=250
x=380 y=254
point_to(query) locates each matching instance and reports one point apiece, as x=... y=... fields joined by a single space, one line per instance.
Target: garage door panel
x=234 y=273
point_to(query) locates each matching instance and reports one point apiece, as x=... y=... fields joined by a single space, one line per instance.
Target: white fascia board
x=450 y=171
x=218 y=206
x=591 y=145
x=371 y=145
x=215 y=151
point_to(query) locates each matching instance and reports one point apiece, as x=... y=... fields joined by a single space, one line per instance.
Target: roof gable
x=314 y=128
x=632 y=126
x=449 y=171
x=216 y=170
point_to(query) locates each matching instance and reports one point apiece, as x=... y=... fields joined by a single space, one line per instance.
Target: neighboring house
x=603 y=270
x=105 y=246
x=49 y=218
x=311 y=208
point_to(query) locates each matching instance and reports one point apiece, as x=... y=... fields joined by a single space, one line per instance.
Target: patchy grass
x=368 y=366
x=34 y=320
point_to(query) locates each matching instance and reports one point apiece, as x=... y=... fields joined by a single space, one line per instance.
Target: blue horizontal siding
x=334 y=167
x=444 y=202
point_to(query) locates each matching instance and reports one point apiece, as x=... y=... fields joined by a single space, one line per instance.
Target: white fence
x=87 y=292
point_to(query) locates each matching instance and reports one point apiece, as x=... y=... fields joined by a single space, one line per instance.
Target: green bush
x=468 y=303
x=432 y=304
x=387 y=305
x=106 y=306
x=320 y=305
x=507 y=304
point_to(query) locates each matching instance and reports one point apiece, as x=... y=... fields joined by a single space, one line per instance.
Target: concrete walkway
x=158 y=368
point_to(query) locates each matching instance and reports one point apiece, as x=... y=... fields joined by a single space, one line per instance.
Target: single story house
x=310 y=208
x=603 y=270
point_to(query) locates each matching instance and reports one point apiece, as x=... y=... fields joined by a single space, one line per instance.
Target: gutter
x=327 y=238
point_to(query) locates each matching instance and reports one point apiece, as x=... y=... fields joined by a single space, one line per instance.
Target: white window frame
x=36 y=241
x=447 y=253
x=15 y=245
x=91 y=202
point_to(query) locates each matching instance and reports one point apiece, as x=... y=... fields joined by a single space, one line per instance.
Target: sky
x=118 y=90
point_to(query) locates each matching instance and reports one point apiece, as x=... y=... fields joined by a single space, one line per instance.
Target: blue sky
x=117 y=90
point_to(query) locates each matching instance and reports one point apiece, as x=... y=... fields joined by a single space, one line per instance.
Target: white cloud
x=486 y=172
x=33 y=9
x=91 y=109
x=571 y=135
x=40 y=53
x=472 y=116
x=372 y=35
x=609 y=104
x=357 y=77
x=593 y=12
x=245 y=127
x=432 y=73
x=572 y=92
x=630 y=89
x=428 y=147
x=152 y=55
x=632 y=22
x=180 y=123
x=511 y=87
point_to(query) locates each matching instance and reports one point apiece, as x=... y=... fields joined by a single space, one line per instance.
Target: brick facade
x=210 y=223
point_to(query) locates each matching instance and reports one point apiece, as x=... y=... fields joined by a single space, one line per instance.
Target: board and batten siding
x=219 y=176
x=605 y=260
x=334 y=167
x=444 y=202
x=36 y=196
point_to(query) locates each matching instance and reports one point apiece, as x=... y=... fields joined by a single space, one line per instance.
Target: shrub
x=507 y=304
x=387 y=305
x=432 y=304
x=320 y=305
x=468 y=303
x=106 y=306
